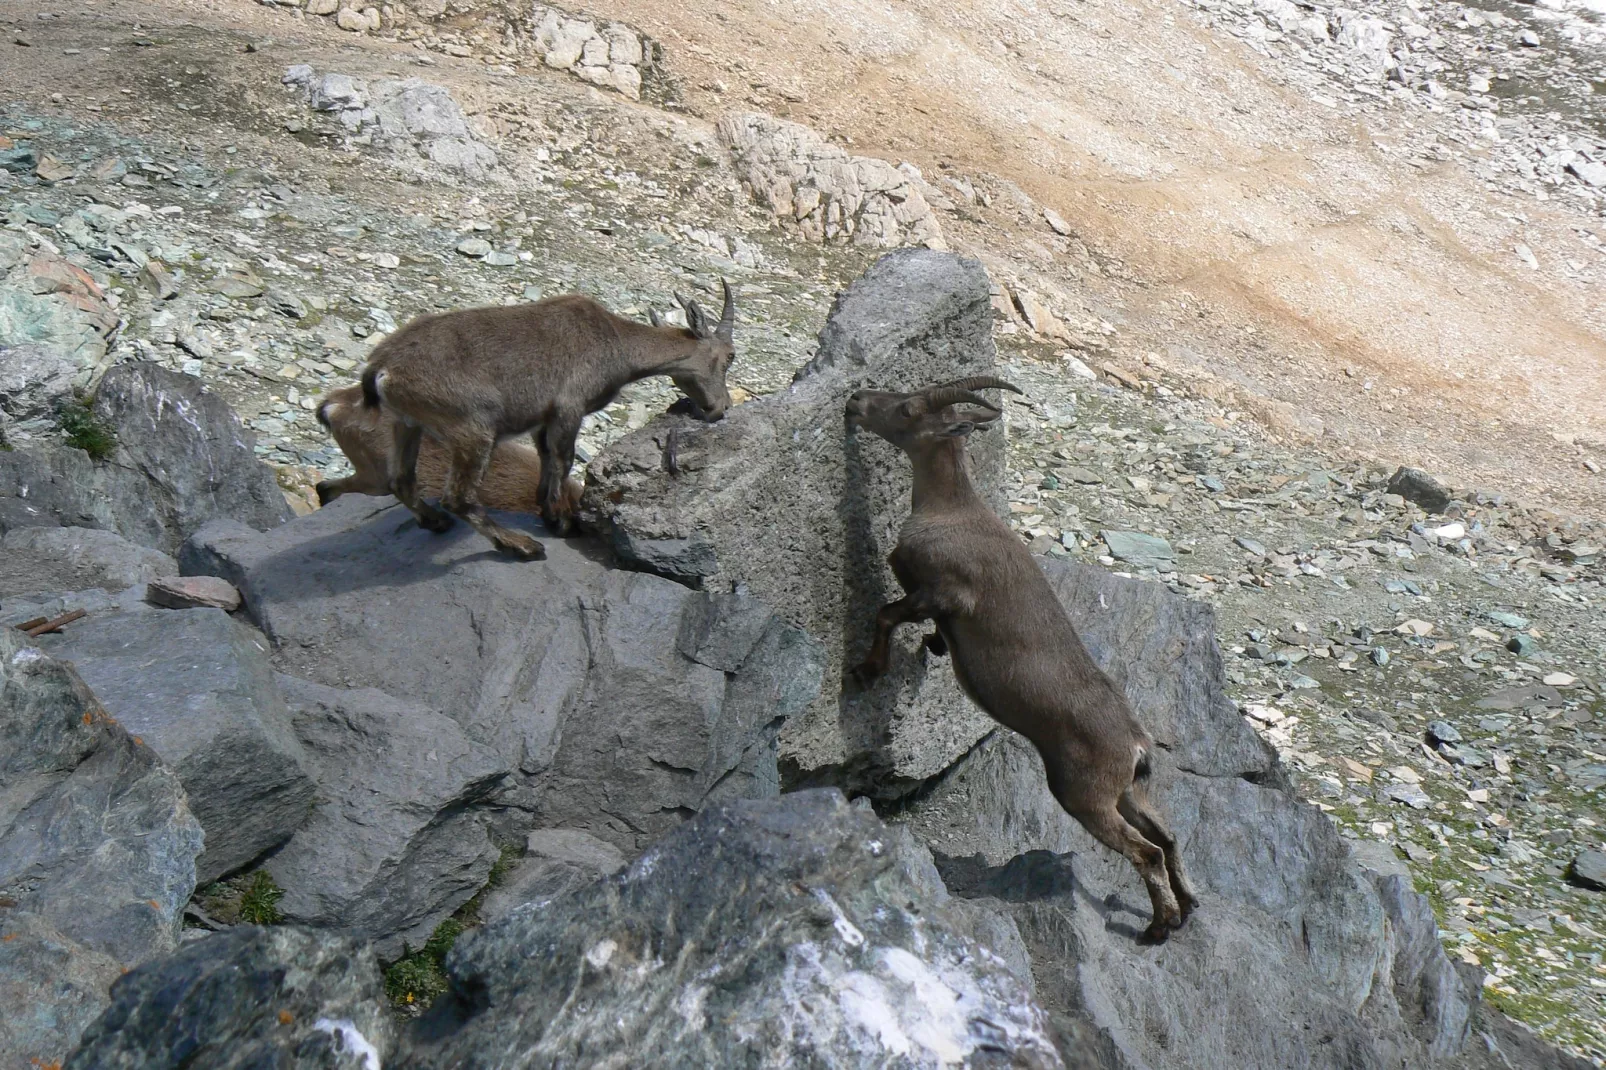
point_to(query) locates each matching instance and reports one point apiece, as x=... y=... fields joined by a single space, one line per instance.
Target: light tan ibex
x=512 y=481
x=477 y=376
x=1014 y=650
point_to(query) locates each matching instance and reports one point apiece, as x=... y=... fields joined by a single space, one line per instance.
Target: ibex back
x=474 y=377
x=1014 y=649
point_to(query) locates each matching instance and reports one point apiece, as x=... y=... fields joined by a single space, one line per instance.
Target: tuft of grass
x=250 y=898
x=418 y=977
x=414 y=981
x=84 y=430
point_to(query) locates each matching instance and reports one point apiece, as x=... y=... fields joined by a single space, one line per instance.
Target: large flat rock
x=197 y=687
x=622 y=702
x=781 y=498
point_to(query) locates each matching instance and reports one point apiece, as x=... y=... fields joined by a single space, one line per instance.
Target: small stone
x=1443 y=732
x=1528 y=39
x=1560 y=679
x=500 y=259
x=1379 y=656
x=1077 y=367
x=1450 y=532
x=389 y=261
x=1522 y=645
x=1409 y=794
x=1083 y=476
x=1301 y=682
x=1589 y=870
x=532 y=292
x=1508 y=620
x=475 y=247
x=1253 y=546
x=158 y=280
x=193 y=592
x=1057 y=223
x=1415 y=485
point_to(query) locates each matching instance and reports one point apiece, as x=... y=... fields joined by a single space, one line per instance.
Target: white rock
x=1451 y=532
x=626 y=79
x=623 y=45
x=321 y=7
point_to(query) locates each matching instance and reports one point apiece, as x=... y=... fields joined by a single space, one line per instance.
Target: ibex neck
x=942 y=476
x=646 y=350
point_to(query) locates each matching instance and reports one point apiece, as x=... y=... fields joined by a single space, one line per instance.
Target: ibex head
x=941 y=411
x=700 y=374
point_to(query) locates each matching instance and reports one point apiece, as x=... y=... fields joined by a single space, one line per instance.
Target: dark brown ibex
x=512 y=481
x=1014 y=650
x=475 y=377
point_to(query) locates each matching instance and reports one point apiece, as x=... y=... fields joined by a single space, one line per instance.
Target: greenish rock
x=501 y=259
x=1508 y=620
x=475 y=247
x=1139 y=550
x=1522 y=645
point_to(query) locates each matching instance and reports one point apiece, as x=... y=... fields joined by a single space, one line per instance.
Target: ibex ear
x=963 y=419
x=654 y=318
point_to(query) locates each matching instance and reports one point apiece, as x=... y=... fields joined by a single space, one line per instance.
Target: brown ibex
x=474 y=377
x=1014 y=650
x=512 y=481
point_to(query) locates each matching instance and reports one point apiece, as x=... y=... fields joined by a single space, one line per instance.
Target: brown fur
x=475 y=377
x=1014 y=649
x=512 y=482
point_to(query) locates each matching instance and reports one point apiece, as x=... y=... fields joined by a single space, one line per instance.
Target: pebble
x=193 y=592
x=475 y=247
x=1136 y=548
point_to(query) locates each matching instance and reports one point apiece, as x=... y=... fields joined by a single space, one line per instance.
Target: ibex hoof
x=866 y=673
x=523 y=547
x=1156 y=933
x=438 y=522
x=322 y=490
x=937 y=644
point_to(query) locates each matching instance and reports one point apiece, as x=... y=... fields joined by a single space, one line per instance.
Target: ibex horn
x=939 y=397
x=982 y=382
x=727 y=318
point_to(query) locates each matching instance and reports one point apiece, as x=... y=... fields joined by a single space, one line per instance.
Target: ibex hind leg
x=404 y=477
x=471 y=456
x=1111 y=829
x=556 y=443
x=1141 y=814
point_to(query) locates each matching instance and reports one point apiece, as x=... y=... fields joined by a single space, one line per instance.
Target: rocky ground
x=189 y=192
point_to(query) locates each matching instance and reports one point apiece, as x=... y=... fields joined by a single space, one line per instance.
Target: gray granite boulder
x=246 y=999
x=555 y=861
x=42 y=559
x=780 y=497
x=182 y=458
x=397 y=841
x=795 y=932
x=198 y=688
x=97 y=853
x=1297 y=957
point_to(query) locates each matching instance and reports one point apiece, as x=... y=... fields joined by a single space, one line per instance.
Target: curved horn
x=727 y=318
x=982 y=382
x=939 y=397
x=654 y=318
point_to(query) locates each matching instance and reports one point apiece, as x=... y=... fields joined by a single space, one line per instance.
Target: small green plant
x=85 y=430
x=251 y=898
x=259 y=903
x=413 y=981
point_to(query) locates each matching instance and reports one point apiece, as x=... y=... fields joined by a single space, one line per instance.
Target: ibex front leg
x=909 y=608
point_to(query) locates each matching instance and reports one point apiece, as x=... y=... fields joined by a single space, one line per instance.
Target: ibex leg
x=404 y=476
x=556 y=444
x=471 y=456
x=904 y=610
